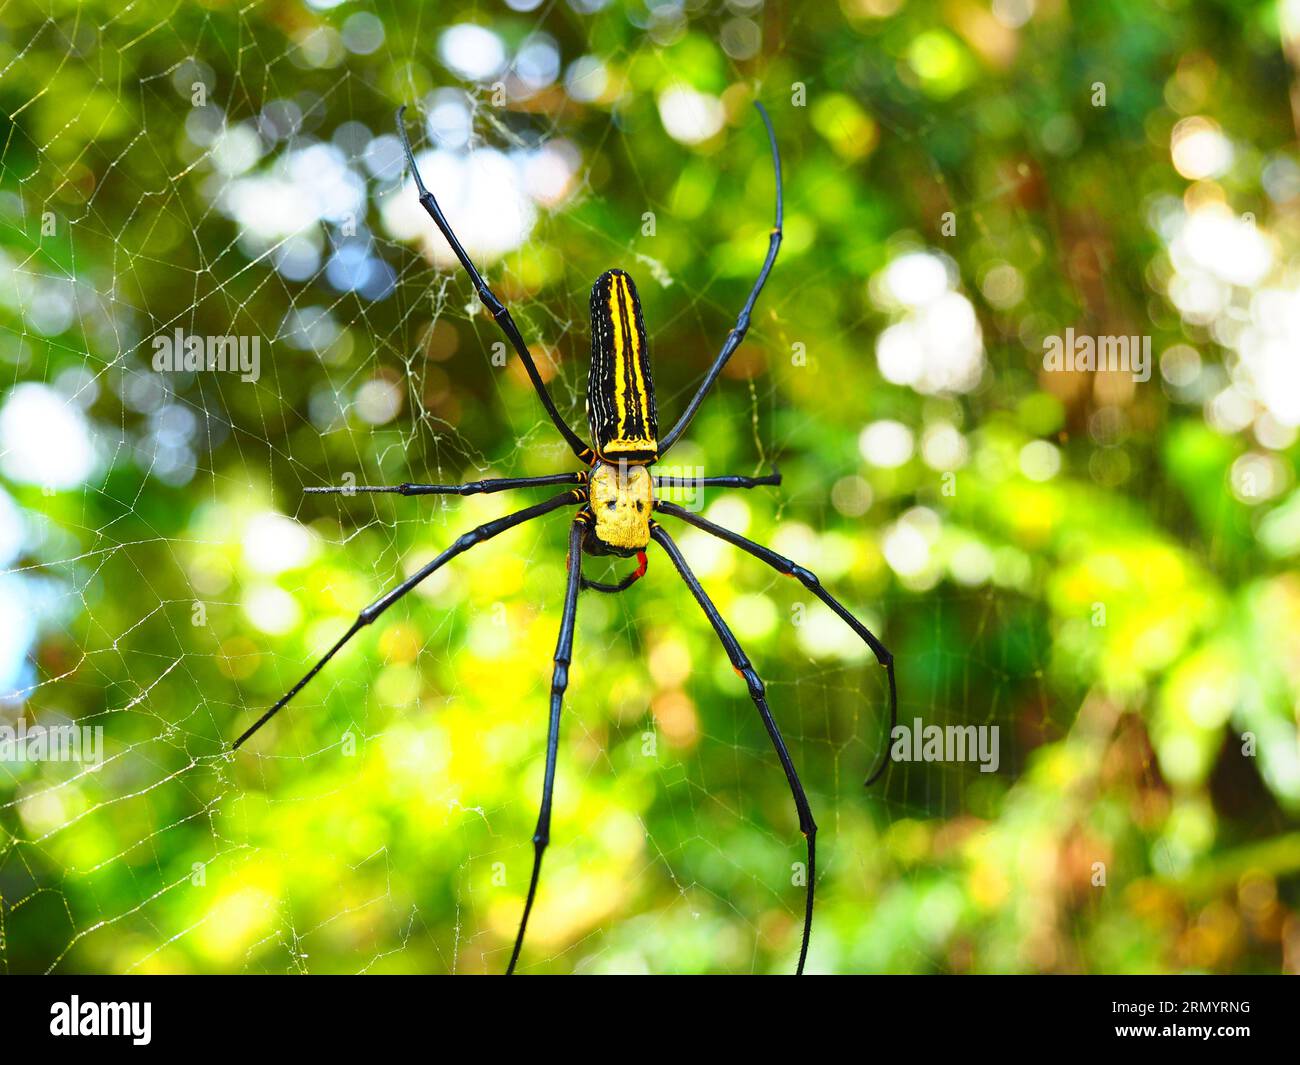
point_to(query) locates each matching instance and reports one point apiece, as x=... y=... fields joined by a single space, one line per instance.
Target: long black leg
x=490 y=301
x=729 y=480
x=475 y=536
x=809 y=580
x=737 y=334
x=757 y=693
x=559 y=681
x=491 y=484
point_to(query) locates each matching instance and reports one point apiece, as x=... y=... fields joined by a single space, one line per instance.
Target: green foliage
x=1100 y=568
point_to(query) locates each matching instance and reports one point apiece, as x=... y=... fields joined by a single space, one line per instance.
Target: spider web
x=383 y=822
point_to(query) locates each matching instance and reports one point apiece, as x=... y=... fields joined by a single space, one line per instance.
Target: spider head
x=621 y=501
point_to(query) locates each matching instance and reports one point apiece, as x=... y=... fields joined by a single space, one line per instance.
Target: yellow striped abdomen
x=620 y=386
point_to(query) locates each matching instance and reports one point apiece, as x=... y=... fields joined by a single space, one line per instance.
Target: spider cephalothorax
x=621 y=498
x=615 y=497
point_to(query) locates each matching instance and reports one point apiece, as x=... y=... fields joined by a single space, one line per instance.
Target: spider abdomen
x=620 y=385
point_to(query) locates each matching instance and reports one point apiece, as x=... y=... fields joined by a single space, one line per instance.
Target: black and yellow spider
x=615 y=497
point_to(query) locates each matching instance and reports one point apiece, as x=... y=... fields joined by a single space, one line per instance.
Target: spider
x=615 y=497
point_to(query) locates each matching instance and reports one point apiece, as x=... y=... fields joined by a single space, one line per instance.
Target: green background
x=1116 y=599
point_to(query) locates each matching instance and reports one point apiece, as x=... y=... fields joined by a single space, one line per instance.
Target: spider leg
x=498 y=310
x=491 y=484
x=368 y=615
x=757 y=693
x=741 y=327
x=809 y=580
x=729 y=480
x=559 y=682
x=642 y=563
